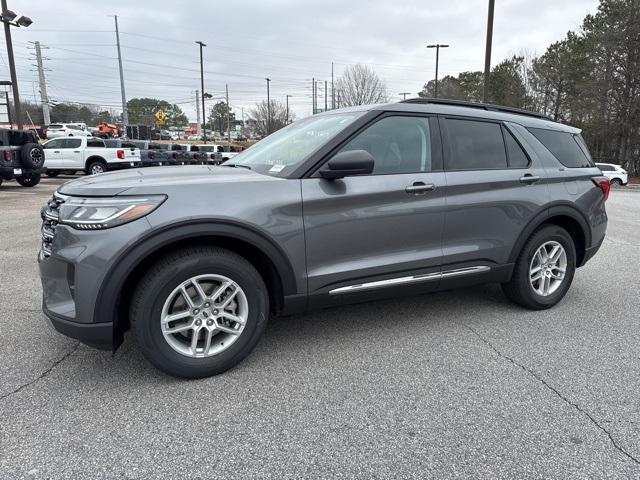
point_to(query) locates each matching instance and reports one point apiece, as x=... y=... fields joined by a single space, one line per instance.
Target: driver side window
x=398 y=144
x=55 y=143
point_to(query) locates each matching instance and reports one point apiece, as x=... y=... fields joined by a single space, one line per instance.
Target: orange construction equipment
x=108 y=128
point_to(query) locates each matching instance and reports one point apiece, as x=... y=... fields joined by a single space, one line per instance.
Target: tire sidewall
x=149 y=332
x=93 y=164
x=547 y=234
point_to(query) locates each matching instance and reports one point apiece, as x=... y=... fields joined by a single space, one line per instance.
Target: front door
x=378 y=231
x=53 y=153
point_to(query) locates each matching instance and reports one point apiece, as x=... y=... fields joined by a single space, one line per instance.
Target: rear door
x=379 y=231
x=494 y=189
x=72 y=152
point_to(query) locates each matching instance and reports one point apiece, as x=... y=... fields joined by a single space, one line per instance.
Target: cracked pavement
x=457 y=384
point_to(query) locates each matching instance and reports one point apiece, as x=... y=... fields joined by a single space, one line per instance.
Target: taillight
x=121 y=154
x=7 y=155
x=603 y=184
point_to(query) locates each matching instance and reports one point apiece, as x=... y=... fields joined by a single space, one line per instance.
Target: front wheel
x=199 y=311
x=30 y=180
x=544 y=270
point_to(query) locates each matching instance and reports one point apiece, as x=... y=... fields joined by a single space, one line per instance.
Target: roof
x=469 y=109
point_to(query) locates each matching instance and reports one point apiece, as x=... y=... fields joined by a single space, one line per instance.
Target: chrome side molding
x=426 y=277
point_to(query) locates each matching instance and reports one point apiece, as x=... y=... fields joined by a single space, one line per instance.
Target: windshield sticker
x=277 y=168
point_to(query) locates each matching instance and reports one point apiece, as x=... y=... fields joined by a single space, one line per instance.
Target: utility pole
x=198 y=122
x=12 y=64
x=487 y=55
x=125 y=112
x=313 y=96
x=43 y=85
x=437 y=46
x=268 y=108
x=338 y=98
x=226 y=86
x=204 y=113
x=287 y=101
x=404 y=95
x=325 y=96
x=333 y=95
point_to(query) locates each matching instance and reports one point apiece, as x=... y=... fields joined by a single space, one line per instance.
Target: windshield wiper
x=236 y=165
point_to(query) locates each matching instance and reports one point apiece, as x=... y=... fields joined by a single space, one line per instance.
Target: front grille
x=49 y=214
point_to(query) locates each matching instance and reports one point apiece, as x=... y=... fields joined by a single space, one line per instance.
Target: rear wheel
x=544 y=270
x=96 y=167
x=616 y=181
x=199 y=311
x=29 y=180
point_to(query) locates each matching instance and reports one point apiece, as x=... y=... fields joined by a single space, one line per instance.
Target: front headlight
x=87 y=213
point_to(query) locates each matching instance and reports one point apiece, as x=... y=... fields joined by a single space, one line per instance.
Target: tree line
x=590 y=79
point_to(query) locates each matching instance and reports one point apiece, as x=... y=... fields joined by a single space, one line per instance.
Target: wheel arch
x=113 y=299
x=562 y=215
x=94 y=158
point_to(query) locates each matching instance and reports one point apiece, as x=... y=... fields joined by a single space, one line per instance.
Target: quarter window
x=564 y=146
x=398 y=144
x=475 y=145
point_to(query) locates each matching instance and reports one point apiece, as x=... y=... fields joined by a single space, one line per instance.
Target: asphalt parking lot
x=458 y=384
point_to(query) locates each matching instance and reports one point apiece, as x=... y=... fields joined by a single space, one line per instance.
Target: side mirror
x=349 y=163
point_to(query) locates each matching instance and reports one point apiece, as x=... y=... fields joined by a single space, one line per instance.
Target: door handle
x=76 y=151
x=419 y=188
x=529 y=179
x=56 y=151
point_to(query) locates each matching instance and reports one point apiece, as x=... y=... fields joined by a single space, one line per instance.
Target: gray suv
x=347 y=206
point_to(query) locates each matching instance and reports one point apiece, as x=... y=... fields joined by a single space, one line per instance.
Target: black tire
x=616 y=181
x=158 y=283
x=32 y=156
x=29 y=180
x=519 y=288
x=52 y=173
x=96 y=167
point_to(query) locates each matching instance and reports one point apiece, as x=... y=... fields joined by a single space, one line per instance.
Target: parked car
x=151 y=155
x=346 y=206
x=57 y=130
x=21 y=157
x=227 y=151
x=88 y=154
x=212 y=155
x=192 y=155
x=615 y=173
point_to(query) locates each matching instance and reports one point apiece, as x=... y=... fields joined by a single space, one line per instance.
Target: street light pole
x=7 y=18
x=487 y=55
x=404 y=95
x=268 y=108
x=204 y=113
x=437 y=46
x=287 y=100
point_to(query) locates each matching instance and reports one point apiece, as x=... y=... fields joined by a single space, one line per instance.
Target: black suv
x=346 y=206
x=21 y=157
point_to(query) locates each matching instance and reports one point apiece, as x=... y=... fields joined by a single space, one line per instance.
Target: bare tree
x=258 y=117
x=360 y=85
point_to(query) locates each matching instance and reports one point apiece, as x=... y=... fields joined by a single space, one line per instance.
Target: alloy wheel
x=547 y=268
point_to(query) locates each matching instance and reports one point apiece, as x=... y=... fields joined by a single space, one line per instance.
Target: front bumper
x=96 y=335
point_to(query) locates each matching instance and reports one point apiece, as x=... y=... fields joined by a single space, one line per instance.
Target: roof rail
x=482 y=106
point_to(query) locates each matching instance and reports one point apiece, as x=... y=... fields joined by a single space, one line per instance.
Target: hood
x=155 y=179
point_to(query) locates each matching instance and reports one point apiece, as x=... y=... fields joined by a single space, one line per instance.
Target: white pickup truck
x=87 y=154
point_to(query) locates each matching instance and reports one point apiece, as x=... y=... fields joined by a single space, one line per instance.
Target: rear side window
x=515 y=153
x=71 y=143
x=95 y=143
x=475 y=145
x=564 y=146
x=605 y=168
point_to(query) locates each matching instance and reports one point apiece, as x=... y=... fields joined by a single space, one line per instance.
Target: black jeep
x=21 y=157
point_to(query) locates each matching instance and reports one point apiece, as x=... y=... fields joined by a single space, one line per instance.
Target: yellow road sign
x=160 y=116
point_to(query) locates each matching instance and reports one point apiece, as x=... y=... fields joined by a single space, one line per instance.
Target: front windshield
x=281 y=152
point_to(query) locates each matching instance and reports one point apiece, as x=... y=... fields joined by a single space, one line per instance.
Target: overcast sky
x=288 y=41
